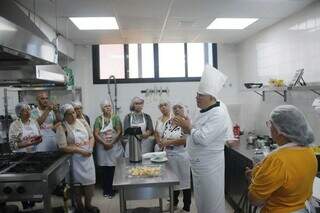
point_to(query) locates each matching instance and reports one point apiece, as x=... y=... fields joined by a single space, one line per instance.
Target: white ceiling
x=162 y=20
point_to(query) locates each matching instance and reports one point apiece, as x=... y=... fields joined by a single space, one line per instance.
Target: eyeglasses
x=269 y=124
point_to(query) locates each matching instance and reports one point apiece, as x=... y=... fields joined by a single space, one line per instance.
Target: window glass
x=171 y=60
x=196 y=59
x=147 y=61
x=111 y=61
x=133 y=61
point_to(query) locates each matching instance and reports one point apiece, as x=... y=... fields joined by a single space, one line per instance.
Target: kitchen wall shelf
x=283 y=91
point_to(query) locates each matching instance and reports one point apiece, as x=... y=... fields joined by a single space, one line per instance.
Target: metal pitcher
x=135 y=152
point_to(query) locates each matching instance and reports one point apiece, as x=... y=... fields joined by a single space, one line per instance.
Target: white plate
x=154 y=154
x=159 y=160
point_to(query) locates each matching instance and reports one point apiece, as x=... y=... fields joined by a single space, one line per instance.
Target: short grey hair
x=20 y=106
x=135 y=100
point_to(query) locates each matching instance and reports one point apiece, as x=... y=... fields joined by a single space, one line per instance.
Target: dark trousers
x=107 y=179
x=186 y=198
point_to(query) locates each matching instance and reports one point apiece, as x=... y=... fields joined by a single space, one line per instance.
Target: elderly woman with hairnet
x=24 y=133
x=173 y=141
x=77 y=105
x=283 y=181
x=75 y=137
x=107 y=132
x=137 y=118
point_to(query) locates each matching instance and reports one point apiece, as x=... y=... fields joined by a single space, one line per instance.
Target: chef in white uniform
x=137 y=118
x=173 y=141
x=107 y=132
x=75 y=137
x=46 y=114
x=205 y=143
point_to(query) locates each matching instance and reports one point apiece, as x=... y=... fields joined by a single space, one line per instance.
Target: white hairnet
x=76 y=104
x=290 y=121
x=135 y=100
x=105 y=103
x=164 y=101
x=64 y=108
x=212 y=81
x=20 y=106
x=179 y=103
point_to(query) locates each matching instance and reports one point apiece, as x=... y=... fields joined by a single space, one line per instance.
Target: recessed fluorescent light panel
x=231 y=23
x=95 y=23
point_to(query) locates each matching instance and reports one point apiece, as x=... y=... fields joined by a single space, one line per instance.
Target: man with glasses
x=205 y=142
x=46 y=115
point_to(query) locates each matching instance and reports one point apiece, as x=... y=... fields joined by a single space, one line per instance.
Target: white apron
x=205 y=146
x=159 y=127
x=178 y=159
x=29 y=130
x=82 y=167
x=49 y=141
x=108 y=157
x=146 y=144
x=208 y=182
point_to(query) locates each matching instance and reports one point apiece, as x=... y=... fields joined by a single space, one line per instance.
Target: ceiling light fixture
x=95 y=23
x=231 y=23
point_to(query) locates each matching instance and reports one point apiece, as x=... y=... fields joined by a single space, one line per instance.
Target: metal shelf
x=282 y=91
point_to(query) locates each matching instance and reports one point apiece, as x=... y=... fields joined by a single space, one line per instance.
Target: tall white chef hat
x=212 y=81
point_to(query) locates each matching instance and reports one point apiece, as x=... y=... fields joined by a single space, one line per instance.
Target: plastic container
x=236 y=131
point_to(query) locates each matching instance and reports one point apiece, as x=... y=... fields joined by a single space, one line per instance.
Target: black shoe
x=28 y=204
x=92 y=209
x=79 y=210
x=186 y=209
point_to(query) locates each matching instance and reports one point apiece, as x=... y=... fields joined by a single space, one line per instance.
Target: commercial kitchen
x=205 y=106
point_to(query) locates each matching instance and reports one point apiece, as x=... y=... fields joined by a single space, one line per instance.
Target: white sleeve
x=230 y=135
x=213 y=127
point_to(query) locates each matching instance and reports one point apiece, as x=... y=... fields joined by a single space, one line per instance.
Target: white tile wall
x=277 y=52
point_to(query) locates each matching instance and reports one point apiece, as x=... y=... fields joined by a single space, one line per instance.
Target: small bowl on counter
x=253 y=85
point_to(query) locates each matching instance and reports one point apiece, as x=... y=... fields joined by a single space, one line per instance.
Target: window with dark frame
x=145 y=63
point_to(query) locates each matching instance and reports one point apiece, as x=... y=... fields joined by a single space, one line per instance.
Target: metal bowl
x=253 y=85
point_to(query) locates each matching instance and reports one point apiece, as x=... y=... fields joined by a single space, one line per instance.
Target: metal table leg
x=160 y=204
x=123 y=207
x=47 y=200
x=171 y=198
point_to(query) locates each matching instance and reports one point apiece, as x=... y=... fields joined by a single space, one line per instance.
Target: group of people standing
x=193 y=147
x=66 y=128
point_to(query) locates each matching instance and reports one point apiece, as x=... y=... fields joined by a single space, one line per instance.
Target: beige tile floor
x=112 y=205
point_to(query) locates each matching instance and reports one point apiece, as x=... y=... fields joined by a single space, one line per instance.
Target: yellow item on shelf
x=316 y=149
x=276 y=82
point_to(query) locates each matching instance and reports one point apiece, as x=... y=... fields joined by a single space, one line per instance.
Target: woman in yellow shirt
x=283 y=181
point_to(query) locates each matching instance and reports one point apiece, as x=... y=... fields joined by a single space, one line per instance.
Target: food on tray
x=144 y=171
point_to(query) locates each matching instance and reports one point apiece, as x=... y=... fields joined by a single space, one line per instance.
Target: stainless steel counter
x=140 y=188
x=243 y=149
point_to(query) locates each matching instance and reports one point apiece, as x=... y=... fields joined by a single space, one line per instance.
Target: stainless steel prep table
x=141 y=188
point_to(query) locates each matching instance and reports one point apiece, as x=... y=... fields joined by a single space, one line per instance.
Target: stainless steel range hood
x=44 y=75
x=26 y=54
